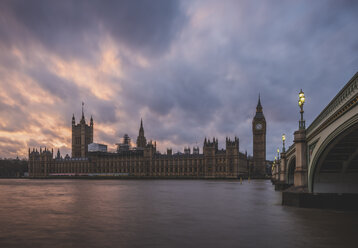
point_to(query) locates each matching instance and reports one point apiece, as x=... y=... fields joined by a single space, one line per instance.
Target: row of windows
x=161 y=163
x=85 y=168
x=78 y=140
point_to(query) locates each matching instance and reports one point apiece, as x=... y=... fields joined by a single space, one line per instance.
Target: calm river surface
x=162 y=213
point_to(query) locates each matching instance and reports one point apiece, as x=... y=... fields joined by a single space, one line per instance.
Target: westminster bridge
x=324 y=156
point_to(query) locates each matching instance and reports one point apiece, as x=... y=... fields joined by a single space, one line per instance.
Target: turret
x=91 y=123
x=232 y=146
x=150 y=149
x=210 y=148
x=73 y=120
x=196 y=150
x=169 y=151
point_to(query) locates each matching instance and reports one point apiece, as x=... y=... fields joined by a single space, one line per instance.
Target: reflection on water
x=162 y=213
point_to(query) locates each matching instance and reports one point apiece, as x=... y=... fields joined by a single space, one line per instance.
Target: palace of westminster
x=91 y=159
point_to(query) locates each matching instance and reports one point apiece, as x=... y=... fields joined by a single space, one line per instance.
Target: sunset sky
x=190 y=69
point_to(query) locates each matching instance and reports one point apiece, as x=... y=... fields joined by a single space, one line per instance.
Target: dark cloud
x=146 y=25
x=75 y=28
x=102 y=135
x=104 y=111
x=280 y=50
x=51 y=133
x=207 y=61
x=54 y=85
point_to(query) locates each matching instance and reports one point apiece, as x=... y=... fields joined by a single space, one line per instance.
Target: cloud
x=189 y=69
x=54 y=85
x=75 y=28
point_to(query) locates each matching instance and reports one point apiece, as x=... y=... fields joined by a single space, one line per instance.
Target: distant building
x=91 y=159
x=95 y=147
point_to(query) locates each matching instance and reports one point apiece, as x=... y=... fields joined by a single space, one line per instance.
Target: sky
x=189 y=69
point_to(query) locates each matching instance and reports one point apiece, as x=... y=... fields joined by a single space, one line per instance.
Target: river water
x=163 y=213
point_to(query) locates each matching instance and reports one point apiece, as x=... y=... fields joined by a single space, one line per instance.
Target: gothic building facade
x=145 y=161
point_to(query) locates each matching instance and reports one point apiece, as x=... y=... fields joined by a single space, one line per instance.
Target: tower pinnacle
x=141 y=140
x=259 y=106
x=83 y=121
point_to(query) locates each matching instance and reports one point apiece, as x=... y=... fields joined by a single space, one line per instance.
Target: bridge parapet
x=291 y=149
x=347 y=92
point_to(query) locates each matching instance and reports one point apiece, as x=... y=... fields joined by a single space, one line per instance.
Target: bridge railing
x=346 y=92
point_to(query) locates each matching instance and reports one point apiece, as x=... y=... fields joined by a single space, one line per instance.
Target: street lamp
x=278 y=153
x=273 y=167
x=283 y=142
x=301 y=101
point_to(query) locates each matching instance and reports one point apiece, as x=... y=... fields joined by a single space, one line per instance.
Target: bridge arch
x=334 y=168
x=290 y=171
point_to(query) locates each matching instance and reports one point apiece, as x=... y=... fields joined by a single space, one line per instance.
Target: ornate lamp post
x=278 y=153
x=301 y=101
x=273 y=168
x=276 y=169
x=278 y=164
x=301 y=177
x=283 y=142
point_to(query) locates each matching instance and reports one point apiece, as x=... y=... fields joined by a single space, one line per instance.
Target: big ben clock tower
x=259 y=142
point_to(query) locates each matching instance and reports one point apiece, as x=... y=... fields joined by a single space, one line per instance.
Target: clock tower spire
x=259 y=142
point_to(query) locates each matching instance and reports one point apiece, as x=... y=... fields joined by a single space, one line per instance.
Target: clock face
x=258 y=126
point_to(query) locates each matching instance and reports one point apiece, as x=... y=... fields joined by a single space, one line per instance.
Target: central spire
x=259 y=113
x=83 y=121
x=141 y=129
x=141 y=140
